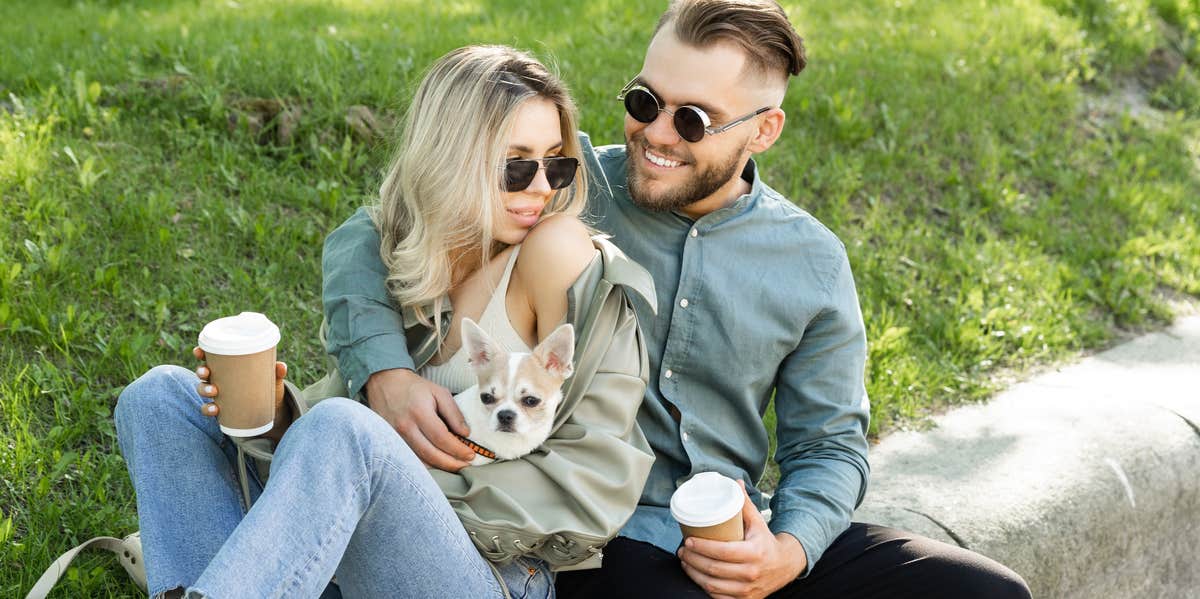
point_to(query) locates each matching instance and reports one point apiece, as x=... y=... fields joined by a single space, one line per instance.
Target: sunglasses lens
x=518 y=174
x=641 y=105
x=689 y=124
x=561 y=171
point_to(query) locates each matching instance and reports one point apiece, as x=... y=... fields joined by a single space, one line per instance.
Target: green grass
x=999 y=212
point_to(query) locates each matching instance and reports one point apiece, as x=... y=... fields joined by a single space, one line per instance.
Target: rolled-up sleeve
x=365 y=332
x=822 y=416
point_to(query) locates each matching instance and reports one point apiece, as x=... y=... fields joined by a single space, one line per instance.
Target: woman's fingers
x=206 y=389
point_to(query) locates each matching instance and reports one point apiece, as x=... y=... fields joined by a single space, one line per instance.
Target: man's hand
x=424 y=414
x=756 y=567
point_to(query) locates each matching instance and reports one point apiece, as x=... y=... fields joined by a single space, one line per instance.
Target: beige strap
x=129 y=553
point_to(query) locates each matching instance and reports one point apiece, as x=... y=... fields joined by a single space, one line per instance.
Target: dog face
x=519 y=392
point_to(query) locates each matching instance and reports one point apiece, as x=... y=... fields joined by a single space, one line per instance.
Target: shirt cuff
x=368 y=356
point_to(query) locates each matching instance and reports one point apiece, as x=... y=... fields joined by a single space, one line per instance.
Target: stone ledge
x=1086 y=481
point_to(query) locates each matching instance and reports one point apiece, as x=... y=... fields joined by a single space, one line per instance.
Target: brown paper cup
x=729 y=530
x=245 y=392
x=240 y=351
x=709 y=506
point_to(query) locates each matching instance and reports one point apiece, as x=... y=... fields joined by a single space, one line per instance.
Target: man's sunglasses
x=519 y=173
x=691 y=122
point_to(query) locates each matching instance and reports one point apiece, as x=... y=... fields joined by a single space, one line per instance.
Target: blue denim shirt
x=754 y=299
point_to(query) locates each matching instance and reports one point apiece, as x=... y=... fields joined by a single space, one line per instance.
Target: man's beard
x=706 y=181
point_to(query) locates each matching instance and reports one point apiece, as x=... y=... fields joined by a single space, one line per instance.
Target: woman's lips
x=525 y=217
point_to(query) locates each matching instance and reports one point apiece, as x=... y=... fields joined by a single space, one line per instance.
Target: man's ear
x=556 y=351
x=770 y=127
x=481 y=350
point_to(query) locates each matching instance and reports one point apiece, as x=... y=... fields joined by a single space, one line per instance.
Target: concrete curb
x=1086 y=481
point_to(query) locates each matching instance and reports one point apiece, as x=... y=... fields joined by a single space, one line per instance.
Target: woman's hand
x=424 y=414
x=283 y=415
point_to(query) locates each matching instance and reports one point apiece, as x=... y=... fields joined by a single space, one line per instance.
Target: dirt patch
x=267 y=120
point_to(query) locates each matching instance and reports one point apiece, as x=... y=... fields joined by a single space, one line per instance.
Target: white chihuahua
x=511 y=408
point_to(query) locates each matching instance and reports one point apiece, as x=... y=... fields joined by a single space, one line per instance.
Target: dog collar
x=477 y=448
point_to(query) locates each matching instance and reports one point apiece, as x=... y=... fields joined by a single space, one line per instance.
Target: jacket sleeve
x=822 y=413
x=364 y=330
x=564 y=501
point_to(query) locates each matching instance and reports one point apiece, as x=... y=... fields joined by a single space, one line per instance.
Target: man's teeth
x=660 y=161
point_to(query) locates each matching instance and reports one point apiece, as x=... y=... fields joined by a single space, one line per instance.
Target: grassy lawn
x=1016 y=182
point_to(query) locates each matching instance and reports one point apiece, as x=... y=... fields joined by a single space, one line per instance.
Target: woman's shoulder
x=555 y=253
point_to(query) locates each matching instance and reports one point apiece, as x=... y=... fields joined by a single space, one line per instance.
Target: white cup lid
x=246 y=333
x=709 y=498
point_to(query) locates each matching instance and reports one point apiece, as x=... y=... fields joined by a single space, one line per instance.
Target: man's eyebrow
x=713 y=113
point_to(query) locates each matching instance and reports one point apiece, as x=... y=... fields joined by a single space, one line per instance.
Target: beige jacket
x=565 y=500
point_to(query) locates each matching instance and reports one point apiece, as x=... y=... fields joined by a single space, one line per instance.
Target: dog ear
x=556 y=351
x=481 y=350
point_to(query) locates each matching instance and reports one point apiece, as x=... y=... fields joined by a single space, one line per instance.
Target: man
x=755 y=299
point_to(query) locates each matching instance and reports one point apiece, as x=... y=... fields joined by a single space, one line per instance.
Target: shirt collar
x=738 y=206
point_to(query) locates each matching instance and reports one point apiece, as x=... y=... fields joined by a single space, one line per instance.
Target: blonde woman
x=477 y=218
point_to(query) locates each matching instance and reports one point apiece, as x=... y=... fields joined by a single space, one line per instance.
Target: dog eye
x=487 y=398
x=530 y=401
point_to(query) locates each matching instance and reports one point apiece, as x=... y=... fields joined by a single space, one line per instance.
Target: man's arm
x=365 y=334
x=822 y=413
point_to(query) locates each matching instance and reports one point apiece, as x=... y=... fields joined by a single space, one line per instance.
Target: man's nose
x=661 y=131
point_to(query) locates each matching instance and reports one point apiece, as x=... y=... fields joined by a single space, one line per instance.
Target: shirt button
x=668 y=373
x=684 y=436
x=695 y=233
x=683 y=303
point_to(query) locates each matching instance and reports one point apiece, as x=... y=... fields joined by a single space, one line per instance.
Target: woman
x=489 y=150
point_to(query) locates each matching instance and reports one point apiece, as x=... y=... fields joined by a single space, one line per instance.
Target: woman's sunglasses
x=519 y=173
x=691 y=122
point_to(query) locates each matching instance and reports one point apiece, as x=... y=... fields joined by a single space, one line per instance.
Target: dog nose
x=506 y=417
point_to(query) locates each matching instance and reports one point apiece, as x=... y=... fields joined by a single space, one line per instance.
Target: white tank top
x=455 y=374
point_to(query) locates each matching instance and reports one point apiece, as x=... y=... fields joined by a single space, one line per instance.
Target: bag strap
x=129 y=553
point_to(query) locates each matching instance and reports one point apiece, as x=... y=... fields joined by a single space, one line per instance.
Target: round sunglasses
x=691 y=122
x=519 y=173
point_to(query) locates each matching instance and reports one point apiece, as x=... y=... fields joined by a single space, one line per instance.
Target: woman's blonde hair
x=444 y=187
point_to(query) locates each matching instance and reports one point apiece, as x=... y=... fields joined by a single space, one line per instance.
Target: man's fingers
x=209 y=409
x=710 y=584
x=199 y=353
x=206 y=389
x=725 y=551
x=434 y=430
x=202 y=372
x=714 y=568
x=281 y=370
x=752 y=520
x=430 y=455
x=447 y=408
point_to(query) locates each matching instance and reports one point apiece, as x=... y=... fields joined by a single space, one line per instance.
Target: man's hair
x=760 y=27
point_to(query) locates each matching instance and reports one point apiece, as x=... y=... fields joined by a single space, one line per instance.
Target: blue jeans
x=346 y=497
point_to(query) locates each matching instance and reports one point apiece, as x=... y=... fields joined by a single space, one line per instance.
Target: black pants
x=865 y=561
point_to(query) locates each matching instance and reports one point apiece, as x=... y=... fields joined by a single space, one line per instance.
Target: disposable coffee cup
x=240 y=353
x=709 y=506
